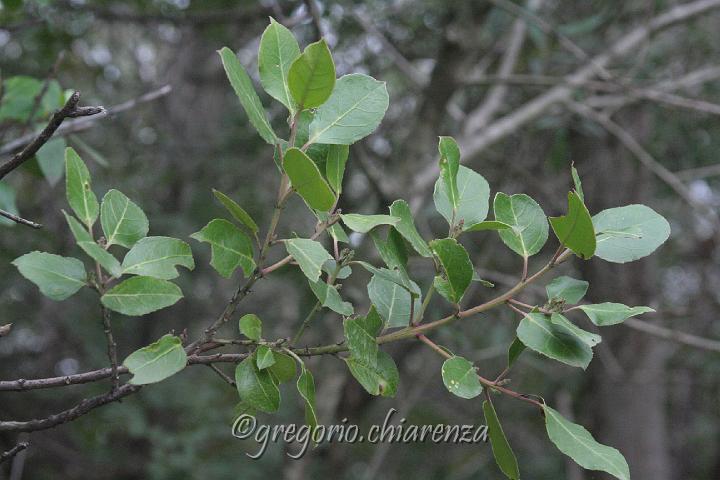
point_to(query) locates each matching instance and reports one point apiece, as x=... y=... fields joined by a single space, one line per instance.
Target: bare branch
x=20 y=220
x=5 y=456
x=673 y=335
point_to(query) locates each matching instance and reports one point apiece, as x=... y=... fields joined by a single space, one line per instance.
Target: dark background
x=654 y=399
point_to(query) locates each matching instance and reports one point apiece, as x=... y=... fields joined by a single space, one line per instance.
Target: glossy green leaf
x=589 y=338
x=231 y=248
x=306 y=389
x=141 y=295
x=577 y=443
x=473 y=198
x=529 y=230
x=629 y=233
x=283 y=370
x=566 y=289
x=307 y=180
x=329 y=297
x=379 y=379
x=354 y=110
x=77 y=188
x=365 y=223
x=309 y=254
x=237 y=211
x=158 y=257
x=123 y=222
x=157 y=361
x=457 y=267
x=604 y=314
x=575 y=230
x=264 y=357
x=278 y=50
x=555 y=341
x=488 y=225
x=337 y=156
x=50 y=158
x=460 y=378
x=504 y=456
x=256 y=387
x=449 y=165
x=312 y=76
x=245 y=92
x=251 y=326
x=57 y=277
x=406 y=227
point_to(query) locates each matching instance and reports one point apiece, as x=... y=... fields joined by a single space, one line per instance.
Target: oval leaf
x=309 y=254
x=566 y=289
x=157 y=361
x=629 y=233
x=473 y=199
x=231 y=248
x=141 y=295
x=457 y=267
x=57 y=277
x=460 y=378
x=312 y=76
x=251 y=326
x=555 y=341
x=379 y=379
x=278 y=50
x=604 y=314
x=504 y=456
x=256 y=387
x=529 y=224
x=123 y=222
x=307 y=180
x=237 y=211
x=77 y=189
x=157 y=257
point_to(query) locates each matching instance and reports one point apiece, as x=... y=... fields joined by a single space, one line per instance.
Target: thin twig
x=111 y=348
x=20 y=220
x=5 y=456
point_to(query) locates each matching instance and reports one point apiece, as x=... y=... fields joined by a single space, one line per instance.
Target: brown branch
x=70 y=110
x=20 y=220
x=111 y=347
x=5 y=456
x=673 y=335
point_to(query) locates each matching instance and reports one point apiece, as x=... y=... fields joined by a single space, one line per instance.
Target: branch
x=73 y=126
x=19 y=220
x=673 y=335
x=70 y=110
x=5 y=456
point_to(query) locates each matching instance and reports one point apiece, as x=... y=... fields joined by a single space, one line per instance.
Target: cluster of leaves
x=325 y=116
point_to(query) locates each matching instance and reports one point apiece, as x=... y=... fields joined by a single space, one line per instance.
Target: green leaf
x=460 y=378
x=231 y=248
x=256 y=387
x=251 y=326
x=604 y=314
x=103 y=257
x=566 y=289
x=392 y=250
x=264 y=357
x=365 y=223
x=309 y=254
x=529 y=230
x=50 y=159
x=578 y=183
x=157 y=257
x=245 y=92
x=555 y=341
x=488 y=225
x=590 y=339
x=337 y=156
x=237 y=211
x=406 y=227
x=283 y=370
x=312 y=76
x=78 y=230
x=392 y=299
x=138 y=296
x=483 y=282
x=330 y=298
x=516 y=348
x=473 y=198
x=449 y=165
x=330 y=266
x=457 y=266
x=7 y=203
x=502 y=452
x=307 y=180
x=380 y=379
x=575 y=230
x=57 y=277
x=18 y=98
x=354 y=110
x=629 y=233
x=123 y=222
x=157 y=361
x=577 y=443
x=306 y=389
x=77 y=188
x=360 y=335
x=278 y=50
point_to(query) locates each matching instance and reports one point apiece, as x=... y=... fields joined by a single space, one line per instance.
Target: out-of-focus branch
x=673 y=335
x=70 y=110
x=6 y=456
x=20 y=220
x=79 y=124
x=314 y=13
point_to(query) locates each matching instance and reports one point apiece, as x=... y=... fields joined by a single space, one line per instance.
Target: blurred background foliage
x=656 y=400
